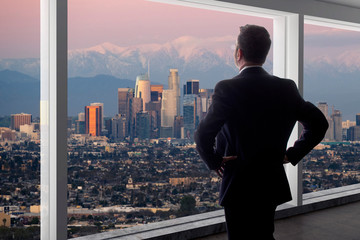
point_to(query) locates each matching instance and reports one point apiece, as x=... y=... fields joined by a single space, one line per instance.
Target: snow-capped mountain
x=206 y=59
x=346 y=62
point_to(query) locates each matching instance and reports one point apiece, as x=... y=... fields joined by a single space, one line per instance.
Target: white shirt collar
x=240 y=71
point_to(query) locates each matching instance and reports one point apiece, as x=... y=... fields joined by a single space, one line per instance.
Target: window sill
x=206 y=224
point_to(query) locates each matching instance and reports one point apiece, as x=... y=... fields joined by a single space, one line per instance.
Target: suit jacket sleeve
x=205 y=135
x=314 y=128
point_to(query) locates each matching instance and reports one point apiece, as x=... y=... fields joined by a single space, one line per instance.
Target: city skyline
x=195 y=102
x=189 y=84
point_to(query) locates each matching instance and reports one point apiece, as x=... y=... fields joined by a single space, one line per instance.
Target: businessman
x=244 y=138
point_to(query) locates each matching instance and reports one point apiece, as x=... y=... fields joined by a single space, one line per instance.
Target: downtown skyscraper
x=102 y=113
x=192 y=109
x=20 y=119
x=168 y=112
x=119 y=127
x=337 y=120
x=335 y=131
x=174 y=84
x=192 y=87
x=124 y=97
x=93 y=116
x=324 y=108
x=142 y=89
x=170 y=106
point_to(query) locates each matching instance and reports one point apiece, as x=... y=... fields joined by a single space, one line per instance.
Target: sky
x=122 y=22
x=132 y=22
x=19 y=28
x=330 y=42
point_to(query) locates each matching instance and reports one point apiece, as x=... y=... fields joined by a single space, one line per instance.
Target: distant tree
x=158 y=203
x=98 y=224
x=334 y=166
x=174 y=192
x=140 y=200
x=159 y=154
x=108 y=192
x=104 y=203
x=72 y=219
x=35 y=220
x=187 y=205
x=174 y=151
x=95 y=191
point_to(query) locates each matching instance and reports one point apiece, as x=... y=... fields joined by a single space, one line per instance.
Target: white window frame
x=53 y=119
x=288 y=45
x=325 y=22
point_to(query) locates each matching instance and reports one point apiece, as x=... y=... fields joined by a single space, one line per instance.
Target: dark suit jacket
x=252 y=117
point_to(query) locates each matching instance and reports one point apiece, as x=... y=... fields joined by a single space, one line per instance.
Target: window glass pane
x=19 y=119
x=141 y=76
x=332 y=83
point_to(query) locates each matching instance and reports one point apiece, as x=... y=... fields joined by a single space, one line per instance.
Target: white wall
x=306 y=7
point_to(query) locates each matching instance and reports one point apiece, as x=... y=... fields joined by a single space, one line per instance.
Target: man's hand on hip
x=286 y=160
x=220 y=171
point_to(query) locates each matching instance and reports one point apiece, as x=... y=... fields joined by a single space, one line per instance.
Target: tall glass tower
x=93 y=118
x=191 y=87
x=168 y=110
x=142 y=89
x=174 y=84
x=336 y=116
x=192 y=110
x=102 y=113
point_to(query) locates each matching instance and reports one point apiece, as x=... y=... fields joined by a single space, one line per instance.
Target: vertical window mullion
x=53 y=119
x=288 y=63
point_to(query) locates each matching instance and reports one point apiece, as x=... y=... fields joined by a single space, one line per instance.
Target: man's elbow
x=197 y=137
x=324 y=125
x=200 y=134
x=322 y=128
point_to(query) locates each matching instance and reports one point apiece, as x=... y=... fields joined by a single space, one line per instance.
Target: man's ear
x=239 y=55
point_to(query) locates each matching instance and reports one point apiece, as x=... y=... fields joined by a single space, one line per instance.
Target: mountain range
x=205 y=59
x=97 y=71
x=21 y=93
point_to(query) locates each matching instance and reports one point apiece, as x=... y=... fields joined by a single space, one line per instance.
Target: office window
x=20 y=120
x=331 y=82
x=131 y=156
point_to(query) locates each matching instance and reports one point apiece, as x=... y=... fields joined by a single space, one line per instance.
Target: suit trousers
x=250 y=221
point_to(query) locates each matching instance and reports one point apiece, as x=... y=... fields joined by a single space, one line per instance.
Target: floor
x=338 y=223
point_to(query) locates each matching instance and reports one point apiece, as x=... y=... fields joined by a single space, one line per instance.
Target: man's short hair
x=254 y=41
